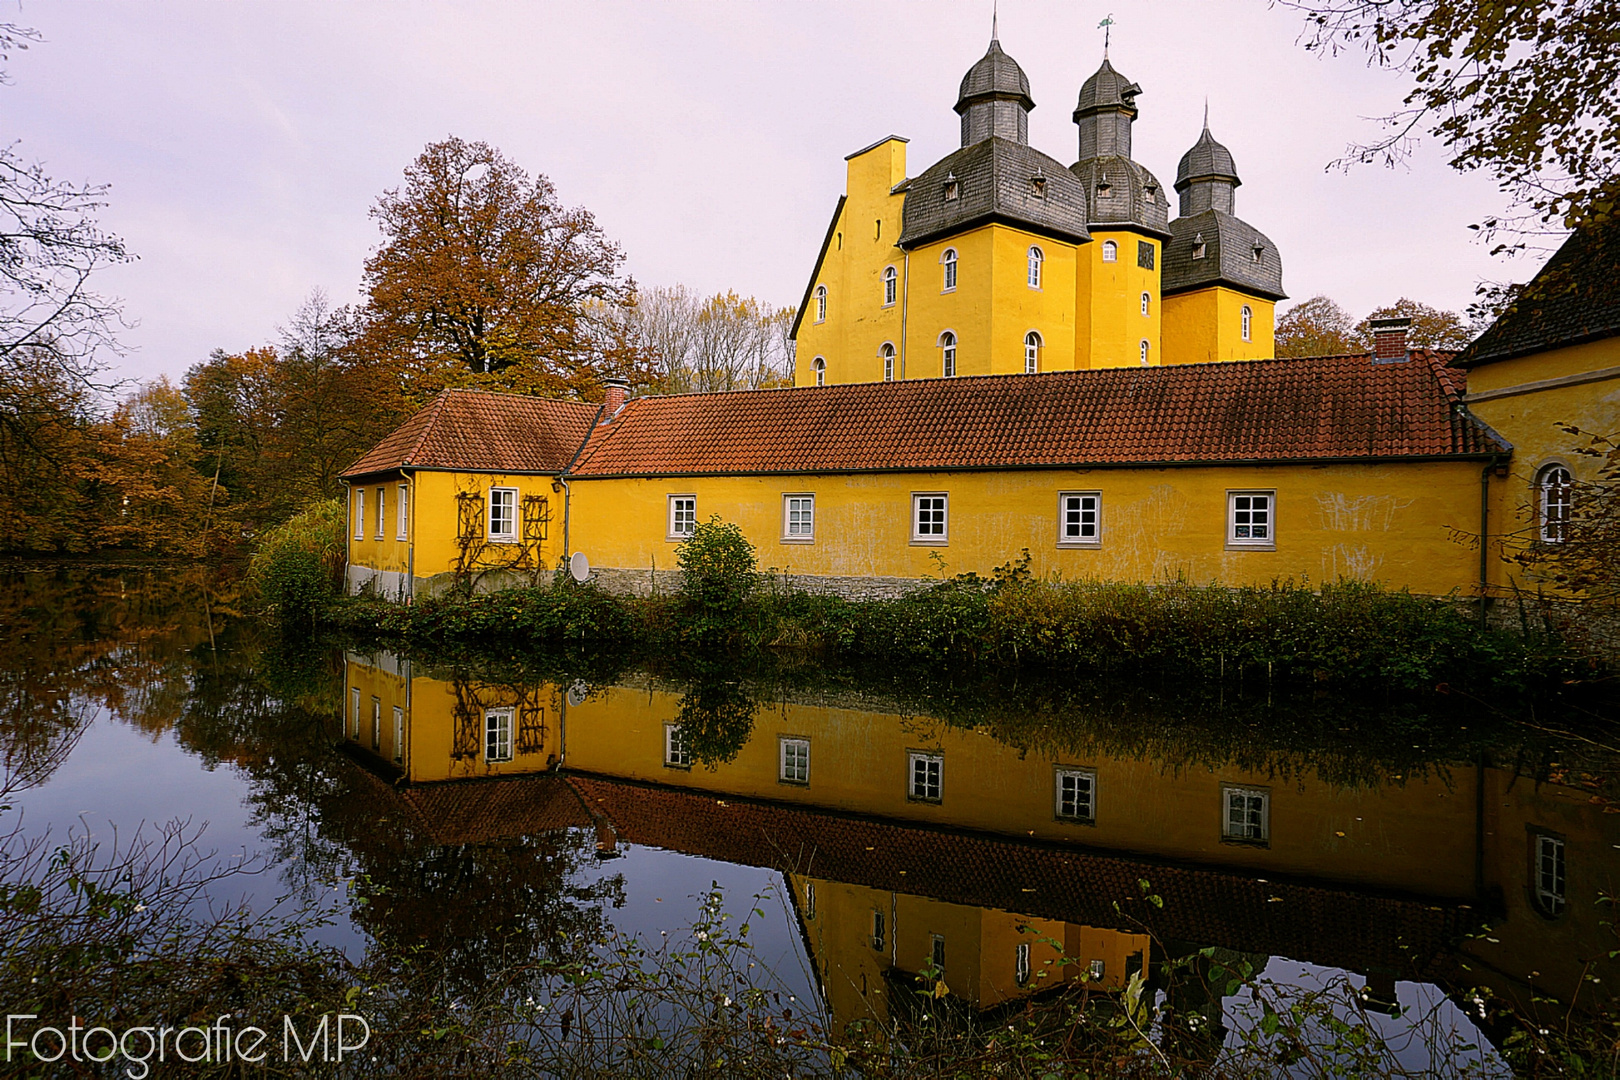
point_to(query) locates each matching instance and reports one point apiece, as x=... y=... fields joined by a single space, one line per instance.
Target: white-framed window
x=682 y=516
x=354 y=713
x=1246 y=316
x=925 y=775
x=1110 y=252
x=382 y=508
x=1143 y=349
x=1245 y=814
x=359 y=513
x=819 y=366
x=1021 y=963
x=403 y=512
x=1147 y=304
x=1074 y=795
x=399 y=735
x=503 y=503
x=1036 y=258
x=1079 y=518
x=930 y=512
x=948 y=268
x=1032 y=353
x=799 y=518
x=1554 y=497
x=891 y=285
x=879 y=935
x=497 y=735
x=886 y=353
x=676 y=755
x=1249 y=518
x=947 y=354
x=376 y=723
x=793 y=760
x=1548 y=867
x=821 y=303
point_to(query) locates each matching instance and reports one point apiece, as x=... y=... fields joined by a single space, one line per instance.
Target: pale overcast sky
x=245 y=142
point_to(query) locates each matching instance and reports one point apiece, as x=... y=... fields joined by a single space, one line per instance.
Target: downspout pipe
x=1484 y=533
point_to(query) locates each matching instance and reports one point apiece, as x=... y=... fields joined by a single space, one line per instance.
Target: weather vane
x=1106 y=27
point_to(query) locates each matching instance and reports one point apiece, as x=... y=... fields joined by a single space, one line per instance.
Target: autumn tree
x=1525 y=91
x=1316 y=327
x=1431 y=327
x=144 y=486
x=704 y=344
x=485 y=277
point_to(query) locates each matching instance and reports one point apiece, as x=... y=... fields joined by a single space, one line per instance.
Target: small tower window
x=947 y=348
x=1144 y=352
x=1037 y=184
x=890 y=285
x=887 y=355
x=952 y=187
x=1259 y=251
x=1147 y=304
x=820 y=367
x=877 y=227
x=1032 y=353
x=1198 y=250
x=1554 y=491
x=1248 y=323
x=821 y=303
x=1144 y=254
x=948 y=262
x=1110 y=251
x=1104 y=188
x=1036 y=257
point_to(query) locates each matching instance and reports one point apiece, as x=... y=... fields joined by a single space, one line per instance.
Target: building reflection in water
x=914 y=846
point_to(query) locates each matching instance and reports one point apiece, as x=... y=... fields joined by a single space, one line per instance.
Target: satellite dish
x=580 y=567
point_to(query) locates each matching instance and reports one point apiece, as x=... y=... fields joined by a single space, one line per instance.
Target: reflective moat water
x=998 y=849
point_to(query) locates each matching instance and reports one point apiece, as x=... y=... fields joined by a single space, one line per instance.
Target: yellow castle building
x=1002 y=354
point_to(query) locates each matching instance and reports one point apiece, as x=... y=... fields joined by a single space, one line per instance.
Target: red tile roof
x=484 y=432
x=1318 y=923
x=1317 y=408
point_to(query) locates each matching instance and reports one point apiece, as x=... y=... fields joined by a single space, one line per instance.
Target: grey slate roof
x=1229 y=245
x=1107 y=87
x=1207 y=159
x=995 y=75
x=1134 y=196
x=1575 y=298
x=993 y=179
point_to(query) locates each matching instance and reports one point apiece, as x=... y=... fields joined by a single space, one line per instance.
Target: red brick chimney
x=1389 y=338
x=617 y=391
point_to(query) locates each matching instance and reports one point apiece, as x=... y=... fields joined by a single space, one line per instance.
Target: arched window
x=820 y=367
x=890 y=283
x=1147 y=303
x=947 y=348
x=1248 y=323
x=821 y=303
x=1032 y=353
x=1144 y=352
x=1036 y=257
x=1110 y=251
x=1553 y=497
x=887 y=353
x=948 y=261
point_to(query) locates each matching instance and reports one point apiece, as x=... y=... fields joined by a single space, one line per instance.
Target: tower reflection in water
x=913 y=846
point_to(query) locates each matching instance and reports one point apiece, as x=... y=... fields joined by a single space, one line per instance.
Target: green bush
x=298 y=565
x=718 y=574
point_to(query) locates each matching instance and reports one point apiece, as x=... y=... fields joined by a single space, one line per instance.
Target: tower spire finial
x=1206 y=112
x=1106 y=26
x=995 y=6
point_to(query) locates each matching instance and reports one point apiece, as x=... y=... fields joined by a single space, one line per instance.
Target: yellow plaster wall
x=1108 y=303
x=965 y=310
x=376 y=551
x=431 y=545
x=1386 y=523
x=1206 y=326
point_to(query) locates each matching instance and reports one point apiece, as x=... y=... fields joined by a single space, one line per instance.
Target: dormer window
x=1104 y=188
x=1259 y=250
x=1037 y=184
x=952 y=188
x=1199 y=249
x=1151 y=191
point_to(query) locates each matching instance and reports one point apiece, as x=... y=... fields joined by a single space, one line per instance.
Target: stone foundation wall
x=1593 y=629
x=667 y=582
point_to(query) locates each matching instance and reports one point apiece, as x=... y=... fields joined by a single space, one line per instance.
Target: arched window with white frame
x=1110 y=251
x=947 y=351
x=886 y=353
x=1032 y=353
x=1144 y=351
x=821 y=303
x=1147 y=304
x=819 y=366
x=948 y=264
x=891 y=285
x=1036 y=258
x=1248 y=323
x=1554 y=496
